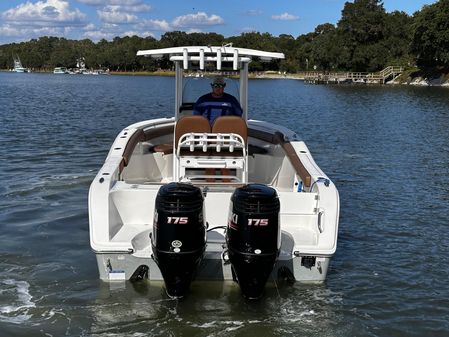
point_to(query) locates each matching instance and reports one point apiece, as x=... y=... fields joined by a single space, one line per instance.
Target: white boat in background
x=60 y=70
x=18 y=68
x=243 y=200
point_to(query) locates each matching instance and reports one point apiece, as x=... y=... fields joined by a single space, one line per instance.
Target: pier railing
x=380 y=77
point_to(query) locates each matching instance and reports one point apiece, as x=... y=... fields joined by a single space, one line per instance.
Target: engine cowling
x=253 y=236
x=179 y=235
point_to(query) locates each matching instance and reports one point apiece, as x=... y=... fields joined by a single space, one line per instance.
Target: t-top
x=212 y=107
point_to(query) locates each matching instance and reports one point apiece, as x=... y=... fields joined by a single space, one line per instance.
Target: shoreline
x=441 y=81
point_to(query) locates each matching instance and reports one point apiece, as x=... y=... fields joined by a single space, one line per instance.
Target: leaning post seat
x=237 y=126
x=198 y=147
x=189 y=124
x=231 y=124
x=185 y=126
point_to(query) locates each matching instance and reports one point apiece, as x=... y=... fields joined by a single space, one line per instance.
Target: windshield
x=195 y=87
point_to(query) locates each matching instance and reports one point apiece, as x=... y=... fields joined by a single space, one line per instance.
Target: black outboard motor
x=179 y=235
x=253 y=236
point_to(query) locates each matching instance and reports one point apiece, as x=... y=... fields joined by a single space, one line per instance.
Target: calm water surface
x=386 y=148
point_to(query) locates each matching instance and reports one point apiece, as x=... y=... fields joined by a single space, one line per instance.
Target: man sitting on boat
x=217 y=103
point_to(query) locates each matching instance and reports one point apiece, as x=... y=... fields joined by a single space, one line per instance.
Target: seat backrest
x=231 y=124
x=189 y=124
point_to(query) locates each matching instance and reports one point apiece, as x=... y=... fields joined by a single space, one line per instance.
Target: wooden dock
x=380 y=77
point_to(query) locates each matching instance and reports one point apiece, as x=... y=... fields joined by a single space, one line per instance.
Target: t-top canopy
x=200 y=54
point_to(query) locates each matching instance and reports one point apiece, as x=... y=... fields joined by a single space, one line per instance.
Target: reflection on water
x=214 y=308
x=386 y=148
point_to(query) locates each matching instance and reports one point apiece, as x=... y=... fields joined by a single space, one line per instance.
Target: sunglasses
x=218 y=85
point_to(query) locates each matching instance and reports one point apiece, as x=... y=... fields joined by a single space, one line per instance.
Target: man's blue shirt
x=212 y=107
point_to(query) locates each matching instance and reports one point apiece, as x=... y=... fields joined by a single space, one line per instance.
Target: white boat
x=60 y=70
x=243 y=200
x=18 y=68
x=90 y=72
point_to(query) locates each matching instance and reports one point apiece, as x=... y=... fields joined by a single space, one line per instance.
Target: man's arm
x=198 y=108
x=237 y=108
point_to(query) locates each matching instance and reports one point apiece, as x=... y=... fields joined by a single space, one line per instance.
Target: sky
x=22 y=20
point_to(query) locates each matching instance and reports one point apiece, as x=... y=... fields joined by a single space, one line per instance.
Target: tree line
x=366 y=38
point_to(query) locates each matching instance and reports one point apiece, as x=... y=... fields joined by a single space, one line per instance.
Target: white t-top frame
x=222 y=58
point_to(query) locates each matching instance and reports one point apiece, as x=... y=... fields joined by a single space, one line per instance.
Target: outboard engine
x=253 y=236
x=179 y=235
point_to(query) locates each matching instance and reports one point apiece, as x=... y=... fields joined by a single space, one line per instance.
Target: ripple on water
x=386 y=148
x=16 y=294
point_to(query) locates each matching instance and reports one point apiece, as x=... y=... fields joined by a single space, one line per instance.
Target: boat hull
x=115 y=266
x=122 y=205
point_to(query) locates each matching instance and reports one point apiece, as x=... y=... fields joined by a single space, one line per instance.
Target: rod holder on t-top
x=219 y=58
x=221 y=54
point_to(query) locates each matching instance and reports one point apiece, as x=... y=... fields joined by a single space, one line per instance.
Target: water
x=386 y=148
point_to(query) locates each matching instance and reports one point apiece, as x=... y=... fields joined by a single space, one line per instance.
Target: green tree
x=398 y=34
x=366 y=38
x=174 y=39
x=361 y=26
x=287 y=44
x=430 y=41
x=326 y=49
x=304 y=49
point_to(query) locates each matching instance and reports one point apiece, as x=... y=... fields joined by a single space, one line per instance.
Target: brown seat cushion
x=187 y=124
x=231 y=124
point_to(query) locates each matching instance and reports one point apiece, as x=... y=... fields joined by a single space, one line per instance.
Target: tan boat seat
x=187 y=124
x=231 y=124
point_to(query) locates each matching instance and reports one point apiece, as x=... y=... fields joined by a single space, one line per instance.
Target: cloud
x=8 y=30
x=36 y=18
x=138 y=8
x=285 y=17
x=53 y=13
x=199 y=19
x=111 y=2
x=194 y=30
x=92 y=2
x=89 y=26
x=110 y=26
x=134 y=6
x=28 y=33
x=97 y=35
x=141 y=34
x=113 y=14
x=159 y=25
x=112 y=18
x=109 y=31
x=119 y=11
